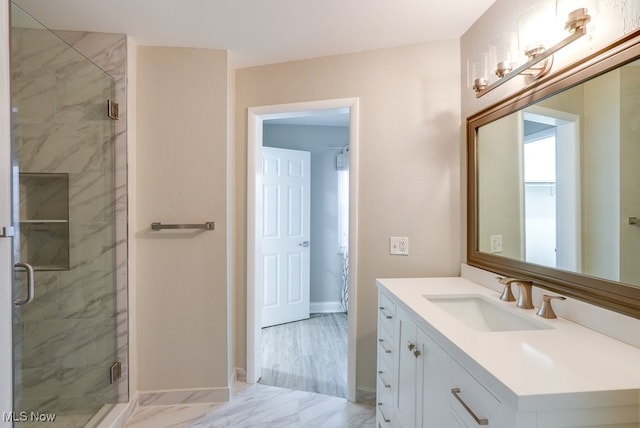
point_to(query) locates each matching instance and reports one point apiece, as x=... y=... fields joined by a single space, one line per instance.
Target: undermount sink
x=483 y=314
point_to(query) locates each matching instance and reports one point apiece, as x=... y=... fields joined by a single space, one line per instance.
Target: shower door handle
x=31 y=284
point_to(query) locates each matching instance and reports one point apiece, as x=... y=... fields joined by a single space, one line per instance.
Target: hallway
x=308 y=355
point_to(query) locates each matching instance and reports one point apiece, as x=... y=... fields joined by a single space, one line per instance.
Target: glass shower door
x=64 y=319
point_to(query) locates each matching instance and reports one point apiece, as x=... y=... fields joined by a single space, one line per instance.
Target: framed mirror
x=554 y=181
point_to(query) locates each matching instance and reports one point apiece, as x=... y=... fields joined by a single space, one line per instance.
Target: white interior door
x=286 y=219
x=286 y=187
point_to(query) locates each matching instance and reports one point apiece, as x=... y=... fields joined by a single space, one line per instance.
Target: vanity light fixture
x=539 y=59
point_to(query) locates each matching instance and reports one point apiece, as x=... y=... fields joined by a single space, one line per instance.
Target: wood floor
x=308 y=355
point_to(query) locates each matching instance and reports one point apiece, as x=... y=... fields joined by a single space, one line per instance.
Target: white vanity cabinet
x=416 y=378
x=435 y=373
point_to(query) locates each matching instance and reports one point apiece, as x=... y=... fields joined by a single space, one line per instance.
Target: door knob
x=303 y=244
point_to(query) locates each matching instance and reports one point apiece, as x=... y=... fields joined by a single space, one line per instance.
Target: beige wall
x=629 y=174
x=132 y=211
x=181 y=175
x=600 y=152
x=597 y=103
x=231 y=222
x=500 y=201
x=408 y=171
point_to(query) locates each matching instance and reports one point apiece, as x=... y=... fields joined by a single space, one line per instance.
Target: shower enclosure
x=65 y=319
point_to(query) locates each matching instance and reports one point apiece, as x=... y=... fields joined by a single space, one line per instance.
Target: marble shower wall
x=109 y=52
x=67 y=339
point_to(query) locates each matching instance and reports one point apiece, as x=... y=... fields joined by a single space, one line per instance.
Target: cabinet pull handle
x=414 y=349
x=387 y=351
x=384 y=382
x=384 y=418
x=385 y=314
x=479 y=421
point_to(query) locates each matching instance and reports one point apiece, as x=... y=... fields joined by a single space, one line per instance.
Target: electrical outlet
x=399 y=245
x=496 y=243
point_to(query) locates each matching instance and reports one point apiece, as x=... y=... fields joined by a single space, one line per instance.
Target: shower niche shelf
x=44 y=220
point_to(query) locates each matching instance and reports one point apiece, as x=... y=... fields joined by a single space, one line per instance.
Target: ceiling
x=326 y=117
x=266 y=31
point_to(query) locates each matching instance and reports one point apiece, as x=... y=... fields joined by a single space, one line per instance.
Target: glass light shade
x=503 y=50
x=477 y=68
x=537 y=26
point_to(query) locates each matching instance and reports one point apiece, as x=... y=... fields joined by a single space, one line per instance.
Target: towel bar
x=210 y=225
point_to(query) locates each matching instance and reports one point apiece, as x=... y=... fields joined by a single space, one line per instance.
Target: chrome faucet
x=525 y=287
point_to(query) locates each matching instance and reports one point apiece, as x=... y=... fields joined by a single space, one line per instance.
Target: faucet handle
x=507 y=294
x=546 y=311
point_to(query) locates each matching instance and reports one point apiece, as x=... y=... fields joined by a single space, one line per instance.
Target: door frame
x=6 y=306
x=569 y=223
x=256 y=117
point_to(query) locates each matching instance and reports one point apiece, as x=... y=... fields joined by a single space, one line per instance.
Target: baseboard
x=183 y=396
x=325 y=307
x=241 y=375
x=366 y=396
x=117 y=416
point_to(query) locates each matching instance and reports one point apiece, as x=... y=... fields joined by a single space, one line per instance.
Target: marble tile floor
x=61 y=421
x=260 y=406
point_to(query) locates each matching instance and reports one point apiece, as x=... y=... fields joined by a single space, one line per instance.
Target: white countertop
x=529 y=366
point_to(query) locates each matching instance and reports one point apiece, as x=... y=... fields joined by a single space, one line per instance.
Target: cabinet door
x=407 y=370
x=435 y=382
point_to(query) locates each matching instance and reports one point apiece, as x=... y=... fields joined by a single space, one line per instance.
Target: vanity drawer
x=470 y=402
x=384 y=406
x=385 y=377
x=386 y=313
x=385 y=346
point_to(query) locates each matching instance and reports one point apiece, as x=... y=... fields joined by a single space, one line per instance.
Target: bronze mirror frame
x=608 y=294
